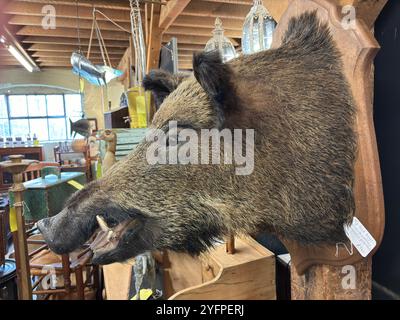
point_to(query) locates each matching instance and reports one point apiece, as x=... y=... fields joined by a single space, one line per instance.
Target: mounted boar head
x=298 y=103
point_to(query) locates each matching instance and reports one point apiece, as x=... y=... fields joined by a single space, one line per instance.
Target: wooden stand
x=16 y=166
x=323 y=282
x=34 y=153
x=320 y=272
x=247 y=274
x=117 y=280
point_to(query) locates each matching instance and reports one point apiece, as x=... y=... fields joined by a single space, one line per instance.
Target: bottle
x=9 y=142
x=35 y=140
x=18 y=141
x=29 y=140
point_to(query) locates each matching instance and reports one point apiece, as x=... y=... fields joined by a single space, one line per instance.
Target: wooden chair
x=34 y=170
x=75 y=272
x=77 y=278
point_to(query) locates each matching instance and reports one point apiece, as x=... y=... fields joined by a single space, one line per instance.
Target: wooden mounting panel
x=358 y=48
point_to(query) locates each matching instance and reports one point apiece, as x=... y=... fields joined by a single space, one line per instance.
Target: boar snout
x=65 y=233
x=56 y=244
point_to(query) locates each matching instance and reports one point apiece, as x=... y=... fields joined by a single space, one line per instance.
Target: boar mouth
x=106 y=238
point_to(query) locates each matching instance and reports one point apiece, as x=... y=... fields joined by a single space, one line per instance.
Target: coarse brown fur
x=297 y=100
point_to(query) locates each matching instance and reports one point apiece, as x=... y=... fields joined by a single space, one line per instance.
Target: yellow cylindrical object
x=132 y=93
x=139 y=106
x=141 y=111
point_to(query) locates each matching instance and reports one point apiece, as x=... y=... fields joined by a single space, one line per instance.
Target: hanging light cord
x=78 y=26
x=80 y=51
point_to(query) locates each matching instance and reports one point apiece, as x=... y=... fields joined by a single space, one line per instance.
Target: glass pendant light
x=258 y=29
x=221 y=43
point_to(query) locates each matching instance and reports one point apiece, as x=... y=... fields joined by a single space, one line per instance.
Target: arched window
x=45 y=114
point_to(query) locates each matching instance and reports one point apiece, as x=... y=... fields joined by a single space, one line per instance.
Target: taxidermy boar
x=298 y=102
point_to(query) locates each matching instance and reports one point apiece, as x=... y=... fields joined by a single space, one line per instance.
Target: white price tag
x=360 y=237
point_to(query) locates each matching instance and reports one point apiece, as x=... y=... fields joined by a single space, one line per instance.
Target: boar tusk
x=102 y=223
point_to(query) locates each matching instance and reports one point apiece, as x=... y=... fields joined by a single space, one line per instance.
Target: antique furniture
x=16 y=166
x=34 y=171
x=68 y=167
x=33 y=153
x=74 y=277
x=45 y=197
x=116 y=118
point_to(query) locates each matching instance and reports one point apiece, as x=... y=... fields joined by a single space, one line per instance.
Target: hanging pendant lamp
x=221 y=43
x=258 y=29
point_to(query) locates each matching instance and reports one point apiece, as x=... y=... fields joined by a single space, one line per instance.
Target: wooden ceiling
x=190 y=21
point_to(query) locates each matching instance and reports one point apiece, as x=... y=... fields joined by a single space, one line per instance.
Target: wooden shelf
x=71 y=167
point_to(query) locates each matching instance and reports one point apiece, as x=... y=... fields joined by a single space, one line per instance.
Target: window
x=47 y=116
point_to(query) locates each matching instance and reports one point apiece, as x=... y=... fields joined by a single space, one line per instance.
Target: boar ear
x=215 y=77
x=161 y=83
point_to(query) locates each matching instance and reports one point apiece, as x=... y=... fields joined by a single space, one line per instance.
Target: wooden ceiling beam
x=59 y=65
x=38 y=47
x=170 y=12
x=104 y=4
x=10 y=63
x=186 y=39
x=72 y=41
x=5 y=53
x=185 y=59
x=192 y=47
x=71 y=33
x=243 y=2
x=50 y=54
x=275 y=7
x=66 y=23
x=186 y=52
x=185 y=66
x=207 y=22
x=202 y=40
x=194 y=31
x=214 y=9
x=199 y=40
x=67 y=60
x=64 y=11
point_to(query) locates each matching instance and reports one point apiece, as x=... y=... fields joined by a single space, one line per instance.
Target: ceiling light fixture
x=12 y=45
